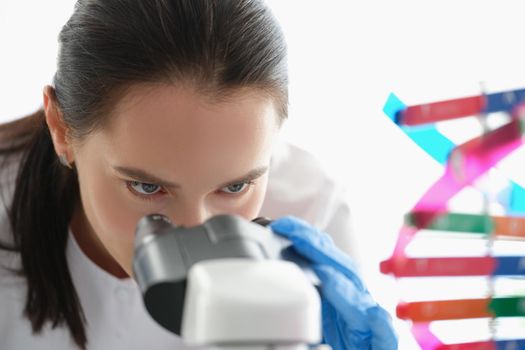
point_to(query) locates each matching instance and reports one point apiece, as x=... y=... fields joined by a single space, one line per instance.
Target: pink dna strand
x=463 y=165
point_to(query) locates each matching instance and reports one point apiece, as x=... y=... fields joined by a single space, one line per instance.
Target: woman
x=166 y=106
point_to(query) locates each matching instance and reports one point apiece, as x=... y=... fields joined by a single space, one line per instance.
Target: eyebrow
x=143 y=176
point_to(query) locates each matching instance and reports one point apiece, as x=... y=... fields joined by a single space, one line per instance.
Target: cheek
x=110 y=214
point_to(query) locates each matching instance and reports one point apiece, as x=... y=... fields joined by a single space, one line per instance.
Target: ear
x=56 y=125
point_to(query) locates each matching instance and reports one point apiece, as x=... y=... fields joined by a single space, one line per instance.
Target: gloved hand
x=351 y=318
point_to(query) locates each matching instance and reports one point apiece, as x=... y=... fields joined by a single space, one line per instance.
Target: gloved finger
x=385 y=337
x=350 y=302
x=336 y=334
x=316 y=246
x=366 y=322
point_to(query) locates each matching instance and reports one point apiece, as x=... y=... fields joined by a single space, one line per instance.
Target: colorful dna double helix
x=463 y=165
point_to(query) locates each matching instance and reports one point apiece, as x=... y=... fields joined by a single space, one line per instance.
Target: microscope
x=228 y=284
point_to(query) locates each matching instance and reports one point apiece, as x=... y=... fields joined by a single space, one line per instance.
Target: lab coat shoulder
x=299 y=186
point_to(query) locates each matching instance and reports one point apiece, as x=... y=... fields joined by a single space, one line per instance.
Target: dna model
x=464 y=164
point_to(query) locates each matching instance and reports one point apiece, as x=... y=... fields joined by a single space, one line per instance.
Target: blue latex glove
x=351 y=318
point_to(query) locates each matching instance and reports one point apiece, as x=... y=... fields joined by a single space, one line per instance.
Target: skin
x=204 y=147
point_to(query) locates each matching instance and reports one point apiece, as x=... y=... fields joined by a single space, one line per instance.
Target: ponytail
x=44 y=199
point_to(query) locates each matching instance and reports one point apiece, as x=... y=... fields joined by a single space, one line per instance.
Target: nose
x=190 y=214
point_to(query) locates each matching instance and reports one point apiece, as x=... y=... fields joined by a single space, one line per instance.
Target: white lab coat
x=113 y=307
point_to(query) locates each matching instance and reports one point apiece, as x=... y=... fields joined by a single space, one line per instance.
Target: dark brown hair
x=106 y=46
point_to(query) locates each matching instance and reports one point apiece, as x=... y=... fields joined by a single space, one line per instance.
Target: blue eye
x=144 y=188
x=236 y=188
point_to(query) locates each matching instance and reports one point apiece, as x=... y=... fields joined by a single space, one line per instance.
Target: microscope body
x=226 y=284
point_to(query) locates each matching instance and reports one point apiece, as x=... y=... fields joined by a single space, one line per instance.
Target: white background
x=345 y=58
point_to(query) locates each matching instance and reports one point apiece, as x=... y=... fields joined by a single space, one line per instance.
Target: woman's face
x=172 y=151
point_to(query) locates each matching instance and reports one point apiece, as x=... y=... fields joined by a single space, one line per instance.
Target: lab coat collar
x=114 y=309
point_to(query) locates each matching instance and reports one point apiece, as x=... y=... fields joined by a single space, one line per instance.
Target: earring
x=63 y=160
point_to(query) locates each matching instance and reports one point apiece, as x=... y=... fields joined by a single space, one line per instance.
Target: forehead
x=164 y=124
x=166 y=110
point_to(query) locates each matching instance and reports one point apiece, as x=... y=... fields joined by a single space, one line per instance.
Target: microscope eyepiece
x=151 y=225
